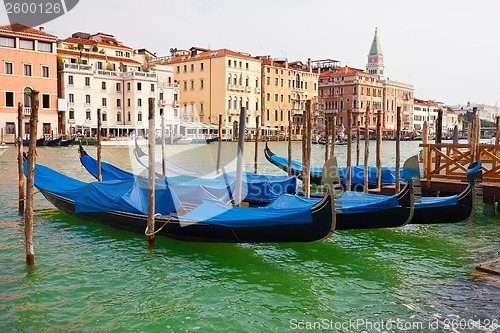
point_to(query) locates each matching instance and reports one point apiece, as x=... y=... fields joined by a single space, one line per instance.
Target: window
x=27 y=70
x=87 y=81
x=276 y=82
x=71 y=114
x=128 y=86
x=178 y=69
x=268 y=80
x=70 y=80
x=44 y=47
x=152 y=87
x=104 y=116
x=46 y=101
x=192 y=67
x=268 y=116
x=246 y=65
x=71 y=98
x=202 y=84
x=201 y=67
x=129 y=116
x=229 y=62
x=7 y=42
x=26 y=44
x=139 y=116
x=104 y=102
x=103 y=85
x=9 y=99
x=46 y=128
x=268 y=97
x=118 y=87
x=99 y=65
x=128 y=102
x=9 y=68
x=275 y=97
x=118 y=103
x=139 y=86
x=88 y=114
x=139 y=102
x=119 y=53
x=87 y=99
x=185 y=85
x=185 y=68
x=202 y=107
x=119 y=117
x=192 y=84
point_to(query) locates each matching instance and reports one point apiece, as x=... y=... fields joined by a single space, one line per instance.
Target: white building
x=98 y=72
x=485 y=112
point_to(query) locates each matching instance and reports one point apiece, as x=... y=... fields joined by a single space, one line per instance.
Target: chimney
x=309 y=67
x=42 y=29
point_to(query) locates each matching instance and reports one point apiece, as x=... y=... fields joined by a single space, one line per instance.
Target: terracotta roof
x=17 y=27
x=94 y=55
x=105 y=41
x=205 y=55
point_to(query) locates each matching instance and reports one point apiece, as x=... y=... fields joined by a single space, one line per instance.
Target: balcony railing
x=27 y=112
x=77 y=67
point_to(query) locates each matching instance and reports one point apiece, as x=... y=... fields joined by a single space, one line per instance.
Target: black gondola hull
x=322 y=226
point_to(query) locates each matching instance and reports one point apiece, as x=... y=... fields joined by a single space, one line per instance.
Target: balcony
x=78 y=68
x=176 y=104
x=233 y=111
x=139 y=75
x=27 y=112
x=257 y=90
x=104 y=73
x=235 y=87
x=71 y=121
x=161 y=102
x=297 y=112
x=248 y=89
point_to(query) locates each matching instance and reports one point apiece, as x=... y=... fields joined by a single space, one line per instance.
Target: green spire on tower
x=375 y=49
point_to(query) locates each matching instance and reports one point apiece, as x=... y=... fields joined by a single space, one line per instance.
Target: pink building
x=28 y=59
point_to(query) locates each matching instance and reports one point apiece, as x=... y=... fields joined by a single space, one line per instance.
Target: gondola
x=358 y=211
x=52 y=143
x=123 y=205
x=39 y=142
x=258 y=190
x=357 y=172
x=210 y=140
x=66 y=143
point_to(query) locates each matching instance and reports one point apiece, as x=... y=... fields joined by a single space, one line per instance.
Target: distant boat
x=210 y=140
x=39 y=142
x=65 y=143
x=52 y=143
x=168 y=140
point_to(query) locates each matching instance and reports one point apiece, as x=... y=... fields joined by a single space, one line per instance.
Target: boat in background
x=66 y=143
x=39 y=142
x=168 y=140
x=52 y=143
x=210 y=140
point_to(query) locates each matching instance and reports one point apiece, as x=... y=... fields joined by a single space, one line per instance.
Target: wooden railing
x=450 y=161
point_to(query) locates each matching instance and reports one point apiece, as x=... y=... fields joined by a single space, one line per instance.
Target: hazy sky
x=449 y=50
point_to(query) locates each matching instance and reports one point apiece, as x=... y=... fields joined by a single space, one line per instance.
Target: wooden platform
x=490 y=268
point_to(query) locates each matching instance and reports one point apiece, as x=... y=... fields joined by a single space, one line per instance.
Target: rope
x=157 y=231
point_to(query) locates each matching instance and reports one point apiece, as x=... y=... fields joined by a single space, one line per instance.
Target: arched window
x=229 y=79
x=119 y=117
x=72 y=114
x=129 y=117
x=139 y=116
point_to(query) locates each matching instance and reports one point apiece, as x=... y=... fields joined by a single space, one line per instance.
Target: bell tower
x=375 y=63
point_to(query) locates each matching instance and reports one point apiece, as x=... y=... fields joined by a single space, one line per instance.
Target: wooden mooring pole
x=497 y=131
x=334 y=135
x=164 y=143
x=257 y=137
x=378 y=149
x=455 y=135
x=99 y=146
x=472 y=132
x=20 y=159
x=358 y=143
x=219 y=146
x=367 y=150
x=349 y=149
x=30 y=181
x=327 y=138
x=306 y=177
x=426 y=152
x=150 y=231
x=439 y=135
x=398 y=148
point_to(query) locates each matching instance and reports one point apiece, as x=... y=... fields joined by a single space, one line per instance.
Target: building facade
x=286 y=87
x=216 y=82
x=99 y=72
x=28 y=60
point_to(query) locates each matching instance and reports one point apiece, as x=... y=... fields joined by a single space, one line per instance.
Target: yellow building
x=285 y=89
x=216 y=82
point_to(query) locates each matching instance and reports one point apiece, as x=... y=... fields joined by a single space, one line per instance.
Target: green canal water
x=92 y=278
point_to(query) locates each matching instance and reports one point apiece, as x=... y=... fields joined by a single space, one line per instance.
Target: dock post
x=20 y=159
x=367 y=149
x=497 y=131
x=426 y=156
x=99 y=146
x=256 y=158
x=219 y=146
x=379 y=149
x=164 y=143
x=357 y=138
x=439 y=136
x=306 y=178
x=472 y=140
x=334 y=135
x=1 y=137
x=327 y=138
x=349 y=149
x=150 y=231
x=289 y=167
x=30 y=181
x=398 y=148
x=455 y=135
x=239 y=160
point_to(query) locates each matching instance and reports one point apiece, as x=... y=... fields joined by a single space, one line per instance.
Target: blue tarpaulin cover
x=429 y=202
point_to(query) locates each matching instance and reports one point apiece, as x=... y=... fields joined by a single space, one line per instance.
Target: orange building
x=28 y=59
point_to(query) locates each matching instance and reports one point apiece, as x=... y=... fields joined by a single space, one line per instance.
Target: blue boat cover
x=350 y=202
x=234 y=217
x=129 y=196
x=195 y=190
x=431 y=202
x=357 y=172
